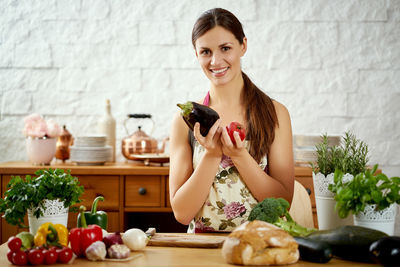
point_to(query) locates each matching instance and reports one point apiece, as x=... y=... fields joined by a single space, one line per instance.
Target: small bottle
x=64 y=141
x=107 y=126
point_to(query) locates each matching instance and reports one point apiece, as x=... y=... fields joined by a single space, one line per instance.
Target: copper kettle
x=139 y=142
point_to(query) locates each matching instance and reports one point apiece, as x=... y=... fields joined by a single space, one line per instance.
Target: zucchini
x=314 y=250
x=386 y=251
x=349 y=242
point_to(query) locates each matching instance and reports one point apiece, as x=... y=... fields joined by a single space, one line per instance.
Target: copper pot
x=139 y=142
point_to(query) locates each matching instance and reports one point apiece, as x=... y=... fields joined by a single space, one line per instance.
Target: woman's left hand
x=228 y=148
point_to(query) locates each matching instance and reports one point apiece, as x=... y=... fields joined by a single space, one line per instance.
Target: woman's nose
x=215 y=58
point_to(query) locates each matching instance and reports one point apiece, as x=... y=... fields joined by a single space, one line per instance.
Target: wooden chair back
x=300 y=209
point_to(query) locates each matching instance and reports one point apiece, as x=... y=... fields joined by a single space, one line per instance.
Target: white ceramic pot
x=382 y=220
x=54 y=212
x=41 y=151
x=328 y=217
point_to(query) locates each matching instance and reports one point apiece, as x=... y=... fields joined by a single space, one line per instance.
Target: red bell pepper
x=81 y=238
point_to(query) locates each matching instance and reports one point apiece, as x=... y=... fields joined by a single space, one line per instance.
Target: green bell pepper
x=94 y=217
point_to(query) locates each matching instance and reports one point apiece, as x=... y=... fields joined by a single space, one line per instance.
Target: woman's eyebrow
x=224 y=44
x=221 y=45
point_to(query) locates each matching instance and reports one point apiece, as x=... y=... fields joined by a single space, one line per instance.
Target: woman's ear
x=244 y=46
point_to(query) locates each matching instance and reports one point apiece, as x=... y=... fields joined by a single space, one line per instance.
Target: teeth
x=219 y=71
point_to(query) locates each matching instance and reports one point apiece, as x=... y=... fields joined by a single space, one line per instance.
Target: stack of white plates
x=91 y=150
x=304 y=148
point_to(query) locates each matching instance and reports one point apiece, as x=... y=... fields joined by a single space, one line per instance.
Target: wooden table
x=171 y=256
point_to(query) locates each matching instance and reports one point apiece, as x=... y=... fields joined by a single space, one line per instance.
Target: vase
x=54 y=212
x=328 y=217
x=41 y=150
x=382 y=220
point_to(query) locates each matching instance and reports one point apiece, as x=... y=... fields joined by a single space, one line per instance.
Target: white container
x=328 y=217
x=41 y=151
x=382 y=220
x=54 y=212
x=107 y=126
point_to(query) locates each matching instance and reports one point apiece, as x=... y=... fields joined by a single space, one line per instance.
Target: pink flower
x=36 y=126
x=53 y=129
x=226 y=161
x=233 y=210
x=201 y=228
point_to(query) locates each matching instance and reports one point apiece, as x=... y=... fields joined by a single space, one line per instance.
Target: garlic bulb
x=118 y=251
x=96 y=251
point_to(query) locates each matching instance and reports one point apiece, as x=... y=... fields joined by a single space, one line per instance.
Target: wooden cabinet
x=135 y=195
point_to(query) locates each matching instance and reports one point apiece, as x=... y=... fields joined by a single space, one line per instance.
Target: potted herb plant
x=350 y=157
x=47 y=197
x=370 y=196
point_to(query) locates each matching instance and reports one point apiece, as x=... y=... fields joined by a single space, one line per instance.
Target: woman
x=213 y=183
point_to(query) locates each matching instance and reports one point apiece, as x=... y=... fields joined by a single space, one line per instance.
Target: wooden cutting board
x=186 y=240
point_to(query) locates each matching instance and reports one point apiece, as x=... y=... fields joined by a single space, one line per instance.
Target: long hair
x=261 y=122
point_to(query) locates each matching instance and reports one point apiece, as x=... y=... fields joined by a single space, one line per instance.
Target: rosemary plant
x=351 y=156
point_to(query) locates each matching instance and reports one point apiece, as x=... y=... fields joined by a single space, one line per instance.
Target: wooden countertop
x=171 y=256
x=119 y=168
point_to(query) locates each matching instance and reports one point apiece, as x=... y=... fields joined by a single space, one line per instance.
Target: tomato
x=20 y=258
x=50 y=256
x=236 y=127
x=64 y=254
x=35 y=257
x=14 y=243
x=10 y=253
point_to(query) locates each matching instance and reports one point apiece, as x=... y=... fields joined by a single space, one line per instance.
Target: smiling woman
x=216 y=181
x=219 y=54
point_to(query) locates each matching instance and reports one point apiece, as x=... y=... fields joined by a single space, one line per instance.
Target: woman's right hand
x=211 y=142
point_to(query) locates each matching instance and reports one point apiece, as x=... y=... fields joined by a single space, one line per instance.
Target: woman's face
x=219 y=53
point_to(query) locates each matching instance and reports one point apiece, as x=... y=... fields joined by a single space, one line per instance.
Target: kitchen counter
x=172 y=256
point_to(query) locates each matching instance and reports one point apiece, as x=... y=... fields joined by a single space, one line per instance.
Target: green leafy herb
x=29 y=193
x=364 y=189
x=351 y=156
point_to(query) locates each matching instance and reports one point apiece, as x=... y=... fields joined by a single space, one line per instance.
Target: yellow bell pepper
x=51 y=234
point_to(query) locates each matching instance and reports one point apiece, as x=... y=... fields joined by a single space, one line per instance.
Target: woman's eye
x=225 y=48
x=205 y=52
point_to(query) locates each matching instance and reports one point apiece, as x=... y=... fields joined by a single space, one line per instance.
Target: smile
x=218 y=71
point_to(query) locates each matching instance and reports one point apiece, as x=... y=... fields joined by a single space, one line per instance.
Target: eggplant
x=314 y=250
x=349 y=242
x=386 y=251
x=193 y=112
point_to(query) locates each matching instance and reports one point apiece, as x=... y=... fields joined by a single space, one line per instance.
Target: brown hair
x=261 y=122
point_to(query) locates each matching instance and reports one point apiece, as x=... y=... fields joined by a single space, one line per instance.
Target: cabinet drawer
x=143 y=191
x=106 y=186
x=307 y=182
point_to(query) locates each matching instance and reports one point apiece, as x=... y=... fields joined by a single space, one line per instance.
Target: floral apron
x=229 y=201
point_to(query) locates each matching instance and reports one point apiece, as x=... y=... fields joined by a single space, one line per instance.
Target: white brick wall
x=334 y=64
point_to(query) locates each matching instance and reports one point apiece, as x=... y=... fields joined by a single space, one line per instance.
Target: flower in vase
x=36 y=126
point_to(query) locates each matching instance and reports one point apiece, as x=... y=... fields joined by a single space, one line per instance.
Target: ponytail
x=261 y=119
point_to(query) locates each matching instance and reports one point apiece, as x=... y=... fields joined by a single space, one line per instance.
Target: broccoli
x=276 y=211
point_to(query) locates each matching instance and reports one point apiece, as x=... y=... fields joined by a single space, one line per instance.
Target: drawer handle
x=308 y=191
x=142 y=191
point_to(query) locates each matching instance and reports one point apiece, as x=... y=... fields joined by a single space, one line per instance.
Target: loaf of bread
x=260 y=243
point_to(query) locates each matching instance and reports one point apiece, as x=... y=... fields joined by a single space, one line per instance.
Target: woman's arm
x=189 y=189
x=279 y=182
